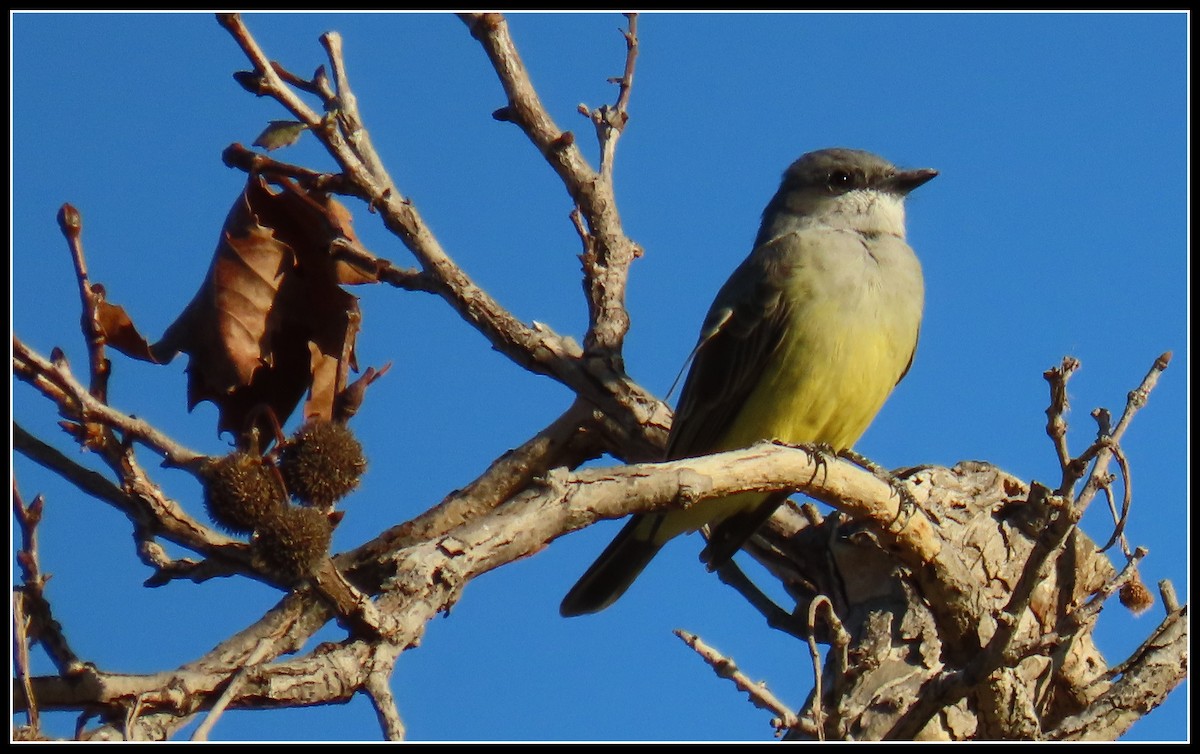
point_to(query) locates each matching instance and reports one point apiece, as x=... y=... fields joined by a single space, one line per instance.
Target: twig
x=1134 y=402
x=272 y=84
x=524 y=107
x=34 y=605
x=1092 y=607
x=347 y=108
x=76 y=402
x=88 y=481
x=1138 y=397
x=611 y=121
x=840 y=636
x=379 y=691
x=238 y=156
x=27 y=518
x=1056 y=425
x=1145 y=678
x=818 y=710
x=21 y=625
x=760 y=696
x=839 y=644
x=152 y=514
x=230 y=693
x=383 y=270
x=90 y=296
x=566 y=441
x=95 y=485
x=168 y=569
x=1000 y=650
x=1170 y=599
x=1126 y=499
x=626 y=80
x=1086 y=614
x=318 y=84
x=591 y=191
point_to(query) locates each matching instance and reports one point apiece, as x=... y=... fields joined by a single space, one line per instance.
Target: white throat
x=865 y=211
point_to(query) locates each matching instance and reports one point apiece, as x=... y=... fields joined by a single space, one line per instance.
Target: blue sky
x=1058 y=225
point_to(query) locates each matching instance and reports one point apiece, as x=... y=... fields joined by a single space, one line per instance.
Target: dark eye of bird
x=840 y=180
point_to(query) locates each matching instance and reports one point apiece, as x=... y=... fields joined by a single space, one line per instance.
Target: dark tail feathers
x=615 y=569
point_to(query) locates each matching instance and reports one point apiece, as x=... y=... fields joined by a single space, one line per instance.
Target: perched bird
x=803 y=344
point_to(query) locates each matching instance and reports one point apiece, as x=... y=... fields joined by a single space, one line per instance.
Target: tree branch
x=536 y=348
x=606 y=272
x=1158 y=666
x=760 y=696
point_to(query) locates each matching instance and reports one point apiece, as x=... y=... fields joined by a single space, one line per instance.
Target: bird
x=803 y=344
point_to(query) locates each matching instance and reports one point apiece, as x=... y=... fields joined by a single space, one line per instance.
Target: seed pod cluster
x=245 y=493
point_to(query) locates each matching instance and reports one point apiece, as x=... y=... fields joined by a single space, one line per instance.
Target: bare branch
x=592 y=192
x=272 y=84
x=21 y=636
x=565 y=442
x=90 y=296
x=1134 y=402
x=626 y=80
x=1157 y=667
x=379 y=690
x=536 y=348
x=237 y=156
x=760 y=696
x=1167 y=591
x=610 y=122
x=201 y=732
x=1126 y=500
x=152 y=513
x=76 y=402
x=993 y=578
x=818 y=693
x=1056 y=426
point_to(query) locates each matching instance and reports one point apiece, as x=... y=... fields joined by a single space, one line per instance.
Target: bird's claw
x=908 y=504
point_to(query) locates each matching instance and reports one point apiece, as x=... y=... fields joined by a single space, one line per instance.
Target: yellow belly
x=825 y=384
x=822 y=387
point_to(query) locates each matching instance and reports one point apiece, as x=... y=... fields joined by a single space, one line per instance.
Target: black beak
x=904 y=181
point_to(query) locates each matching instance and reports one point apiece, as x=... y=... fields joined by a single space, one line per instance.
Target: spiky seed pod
x=322 y=463
x=1135 y=596
x=291 y=542
x=240 y=490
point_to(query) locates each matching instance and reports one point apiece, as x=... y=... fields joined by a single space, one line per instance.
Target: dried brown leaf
x=270 y=321
x=120 y=332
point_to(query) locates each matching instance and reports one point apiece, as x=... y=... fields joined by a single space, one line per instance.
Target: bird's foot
x=908 y=504
x=820 y=452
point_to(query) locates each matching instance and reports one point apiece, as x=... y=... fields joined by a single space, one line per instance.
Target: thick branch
x=1155 y=669
x=429 y=576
